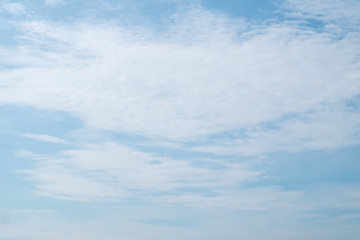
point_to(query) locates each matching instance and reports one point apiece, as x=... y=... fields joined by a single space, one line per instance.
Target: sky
x=179 y=119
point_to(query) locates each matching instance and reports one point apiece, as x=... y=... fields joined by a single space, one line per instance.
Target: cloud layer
x=206 y=82
x=111 y=171
x=201 y=78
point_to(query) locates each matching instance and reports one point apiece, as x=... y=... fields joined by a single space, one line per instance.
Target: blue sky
x=204 y=119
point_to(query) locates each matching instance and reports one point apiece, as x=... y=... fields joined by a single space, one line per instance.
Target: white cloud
x=204 y=78
x=164 y=85
x=13 y=8
x=327 y=10
x=54 y=2
x=331 y=127
x=113 y=172
x=110 y=171
x=226 y=86
x=255 y=198
x=44 y=138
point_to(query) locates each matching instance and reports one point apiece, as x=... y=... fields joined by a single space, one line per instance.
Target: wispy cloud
x=326 y=10
x=13 y=8
x=54 y=2
x=203 y=77
x=44 y=138
x=206 y=83
x=333 y=126
x=185 y=118
x=111 y=171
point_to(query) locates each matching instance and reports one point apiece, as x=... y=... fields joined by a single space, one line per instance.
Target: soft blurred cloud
x=14 y=8
x=110 y=171
x=326 y=10
x=44 y=138
x=333 y=126
x=54 y=2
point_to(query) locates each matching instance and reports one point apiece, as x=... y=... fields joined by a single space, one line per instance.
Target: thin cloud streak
x=44 y=138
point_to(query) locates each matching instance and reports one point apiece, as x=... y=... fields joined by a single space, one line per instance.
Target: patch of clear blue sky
x=8 y=31
x=147 y=11
x=22 y=119
x=16 y=121
x=330 y=213
x=307 y=169
x=254 y=9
